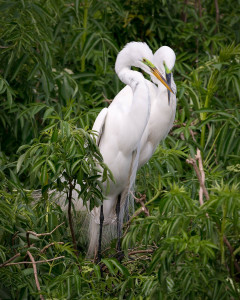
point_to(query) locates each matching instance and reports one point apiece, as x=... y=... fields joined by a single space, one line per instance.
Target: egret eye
x=148 y=63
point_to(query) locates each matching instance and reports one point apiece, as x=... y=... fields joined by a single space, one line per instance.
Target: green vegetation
x=56 y=73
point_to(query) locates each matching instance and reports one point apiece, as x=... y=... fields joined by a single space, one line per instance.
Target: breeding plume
x=120 y=128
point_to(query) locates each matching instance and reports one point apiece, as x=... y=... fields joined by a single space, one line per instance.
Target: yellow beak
x=157 y=74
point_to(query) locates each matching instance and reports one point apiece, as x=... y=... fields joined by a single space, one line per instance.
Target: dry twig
x=141 y=201
x=35 y=273
x=49 y=245
x=29 y=262
x=109 y=101
x=140 y=251
x=200 y=175
x=41 y=234
x=201 y=178
x=190 y=131
x=8 y=261
x=231 y=250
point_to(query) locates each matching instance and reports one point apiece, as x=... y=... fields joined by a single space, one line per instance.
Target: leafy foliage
x=56 y=73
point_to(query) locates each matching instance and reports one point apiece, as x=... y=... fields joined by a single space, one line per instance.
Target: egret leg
x=100 y=234
x=118 y=223
x=126 y=209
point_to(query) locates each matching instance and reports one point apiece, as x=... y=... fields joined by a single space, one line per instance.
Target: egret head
x=138 y=54
x=132 y=56
x=164 y=59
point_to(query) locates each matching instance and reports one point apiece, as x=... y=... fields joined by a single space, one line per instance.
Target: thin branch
x=201 y=178
x=141 y=201
x=217 y=12
x=199 y=158
x=14 y=237
x=231 y=250
x=141 y=251
x=109 y=101
x=8 y=261
x=35 y=273
x=29 y=262
x=49 y=245
x=40 y=234
x=193 y=162
x=190 y=130
x=184 y=11
x=200 y=12
x=137 y=212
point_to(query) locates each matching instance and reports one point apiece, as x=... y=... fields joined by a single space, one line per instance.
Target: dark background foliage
x=56 y=73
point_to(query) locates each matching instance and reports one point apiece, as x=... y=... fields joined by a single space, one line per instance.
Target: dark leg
x=126 y=213
x=100 y=234
x=118 y=223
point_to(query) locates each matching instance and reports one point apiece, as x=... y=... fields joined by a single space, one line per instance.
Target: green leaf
x=20 y=161
x=120 y=267
x=109 y=265
x=44 y=174
x=51 y=165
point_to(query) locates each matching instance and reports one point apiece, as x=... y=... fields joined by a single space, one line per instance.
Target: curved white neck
x=140 y=107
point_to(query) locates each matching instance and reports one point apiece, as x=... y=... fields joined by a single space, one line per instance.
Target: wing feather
x=99 y=124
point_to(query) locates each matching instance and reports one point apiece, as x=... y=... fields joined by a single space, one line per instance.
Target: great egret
x=163 y=105
x=120 y=128
x=162 y=108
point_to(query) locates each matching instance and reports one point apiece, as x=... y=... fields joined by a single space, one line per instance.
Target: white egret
x=120 y=128
x=162 y=108
x=163 y=105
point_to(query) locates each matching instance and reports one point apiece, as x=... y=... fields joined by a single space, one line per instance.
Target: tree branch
x=29 y=262
x=35 y=273
x=141 y=201
x=141 y=251
x=40 y=234
x=201 y=178
x=231 y=250
x=8 y=261
x=49 y=245
x=217 y=13
x=184 y=11
x=200 y=175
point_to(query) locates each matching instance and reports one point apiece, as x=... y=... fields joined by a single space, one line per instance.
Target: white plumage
x=162 y=113
x=129 y=130
x=120 y=128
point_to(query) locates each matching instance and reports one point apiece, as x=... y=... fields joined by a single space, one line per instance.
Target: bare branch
x=29 y=262
x=137 y=212
x=231 y=250
x=141 y=251
x=184 y=12
x=217 y=11
x=190 y=130
x=40 y=234
x=8 y=261
x=35 y=273
x=201 y=178
x=49 y=245
x=140 y=200
x=193 y=162
x=199 y=158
